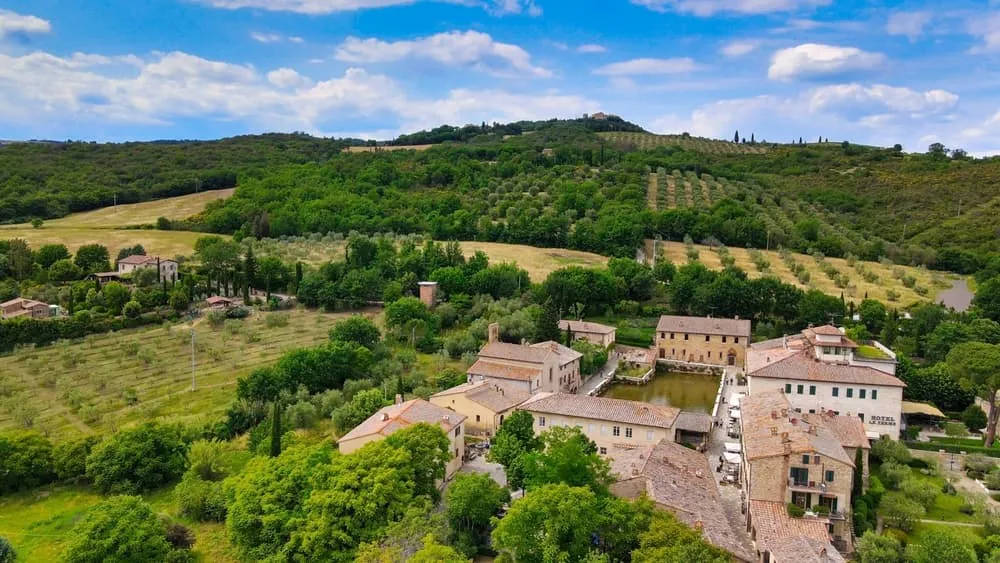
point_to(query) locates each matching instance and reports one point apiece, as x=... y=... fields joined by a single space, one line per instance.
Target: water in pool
x=687 y=391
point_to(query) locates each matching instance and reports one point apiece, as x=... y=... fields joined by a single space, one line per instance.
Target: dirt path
x=962 y=524
x=671 y=192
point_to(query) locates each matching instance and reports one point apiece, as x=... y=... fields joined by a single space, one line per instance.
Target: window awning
x=909 y=407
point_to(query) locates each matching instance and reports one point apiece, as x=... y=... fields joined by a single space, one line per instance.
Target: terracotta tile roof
x=565 y=353
x=681 y=480
x=805 y=549
x=812 y=335
x=137 y=259
x=584 y=326
x=496 y=397
x=705 y=325
x=771 y=428
x=396 y=417
x=23 y=303
x=517 y=352
x=603 y=408
x=828 y=330
x=804 y=366
x=694 y=422
x=775 y=528
x=848 y=429
x=484 y=368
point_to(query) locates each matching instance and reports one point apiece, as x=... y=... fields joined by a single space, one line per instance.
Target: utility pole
x=192 y=356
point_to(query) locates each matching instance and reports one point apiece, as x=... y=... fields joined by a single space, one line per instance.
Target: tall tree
x=548 y=322
x=249 y=273
x=276 y=429
x=976 y=365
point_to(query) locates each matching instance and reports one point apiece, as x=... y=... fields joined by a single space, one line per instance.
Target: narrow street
x=595 y=380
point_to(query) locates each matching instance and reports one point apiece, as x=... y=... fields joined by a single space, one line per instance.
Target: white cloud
x=987 y=29
x=12 y=22
x=648 y=66
x=910 y=24
x=274 y=38
x=591 y=48
x=739 y=48
x=705 y=8
x=877 y=97
x=813 y=59
x=458 y=49
x=46 y=89
x=322 y=7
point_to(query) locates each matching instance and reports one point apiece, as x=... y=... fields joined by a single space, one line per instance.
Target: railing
x=811 y=485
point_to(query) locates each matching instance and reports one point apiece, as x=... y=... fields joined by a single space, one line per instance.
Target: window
x=628 y=432
x=458 y=431
x=812 y=411
x=708 y=338
x=836 y=391
x=805 y=459
x=671 y=336
x=861 y=393
x=616 y=431
x=736 y=339
x=788 y=388
x=829 y=476
x=649 y=435
x=604 y=451
x=850 y=392
x=477 y=418
x=799 y=389
x=799 y=475
x=874 y=394
x=816 y=459
x=812 y=389
x=541 y=421
x=685 y=337
x=827 y=350
x=723 y=339
x=673 y=351
x=550 y=375
x=710 y=355
x=456 y=452
x=861 y=415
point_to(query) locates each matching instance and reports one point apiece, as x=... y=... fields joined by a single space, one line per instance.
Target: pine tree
x=276 y=429
x=800 y=141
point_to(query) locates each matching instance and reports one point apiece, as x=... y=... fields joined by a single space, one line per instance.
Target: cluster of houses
x=813 y=401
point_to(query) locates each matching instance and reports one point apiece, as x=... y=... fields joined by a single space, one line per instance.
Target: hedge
x=25 y=331
x=953 y=448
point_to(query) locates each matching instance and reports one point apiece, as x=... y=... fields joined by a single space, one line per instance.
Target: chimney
x=399 y=399
x=774 y=430
x=428 y=293
x=385 y=416
x=794 y=421
x=493 y=332
x=445 y=419
x=784 y=342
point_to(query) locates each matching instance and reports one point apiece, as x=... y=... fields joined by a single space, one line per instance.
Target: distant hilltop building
x=601 y=116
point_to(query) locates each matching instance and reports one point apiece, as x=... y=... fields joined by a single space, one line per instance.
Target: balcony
x=800 y=485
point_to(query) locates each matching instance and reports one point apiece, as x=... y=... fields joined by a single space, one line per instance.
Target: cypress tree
x=548 y=322
x=276 y=429
x=298 y=274
x=858 y=485
x=249 y=272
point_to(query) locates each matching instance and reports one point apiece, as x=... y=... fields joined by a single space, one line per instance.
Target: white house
x=822 y=370
x=168 y=267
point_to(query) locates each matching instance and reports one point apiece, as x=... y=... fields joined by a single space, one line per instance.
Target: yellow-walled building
x=484 y=403
x=703 y=340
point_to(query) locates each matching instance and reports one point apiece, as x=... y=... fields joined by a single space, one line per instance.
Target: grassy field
x=644 y=141
x=104 y=226
x=109 y=380
x=676 y=252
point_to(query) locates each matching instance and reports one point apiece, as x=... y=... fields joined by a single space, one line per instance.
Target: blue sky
x=871 y=72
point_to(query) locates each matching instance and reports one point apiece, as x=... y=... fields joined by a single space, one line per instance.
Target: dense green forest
x=549 y=183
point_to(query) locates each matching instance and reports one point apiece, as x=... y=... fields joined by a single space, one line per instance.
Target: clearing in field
x=858 y=287
x=109 y=380
x=145 y=213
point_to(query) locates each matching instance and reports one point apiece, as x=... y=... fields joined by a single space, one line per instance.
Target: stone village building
x=546 y=366
x=703 y=340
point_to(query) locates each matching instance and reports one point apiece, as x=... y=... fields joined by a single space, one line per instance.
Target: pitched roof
x=805 y=367
x=495 y=397
x=680 y=479
x=776 y=530
x=771 y=428
x=398 y=416
x=812 y=335
x=505 y=351
x=565 y=353
x=603 y=408
x=485 y=368
x=848 y=429
x=705 y=325
x=806 y=549
x=23 y=302
x=694 y=422
x=139 y=259
x=828 y=330
x=584 y=326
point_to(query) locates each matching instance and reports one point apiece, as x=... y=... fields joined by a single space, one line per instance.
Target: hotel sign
x=882 y=420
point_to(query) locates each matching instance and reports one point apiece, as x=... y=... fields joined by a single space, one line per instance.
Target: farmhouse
x=167 y=267
x=402 y=414
x=610 y=423
x=219 y=303
x=21 y=307
x=806 y=461
x=679 y=480
x=703 y=340
x=546 y=366
x=595 y=333
x=823 y=370
x=483 y=403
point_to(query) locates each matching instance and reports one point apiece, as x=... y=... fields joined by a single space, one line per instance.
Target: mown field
x=644 y=141
x=105 y=381
x=888 y=276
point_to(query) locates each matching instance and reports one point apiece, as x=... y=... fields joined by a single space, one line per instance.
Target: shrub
x=137 y=459
x=992 y=480
x=179 y=536
x=956 y=429
x=204 y=501
x=121 y=528
x=967 y=508
x=25 y=462
x=240 y=312
x=795 y=511
x=277 y=320
x=886 y=449
x=900 y=512
x=893 y=474
x=921 y=491
x=874 y=548
x=979 y=463
x=974 y=418
x=205 y=459
x=69 y=458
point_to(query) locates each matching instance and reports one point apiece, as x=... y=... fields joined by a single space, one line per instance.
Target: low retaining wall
x=692 y=367
x=637 y=380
